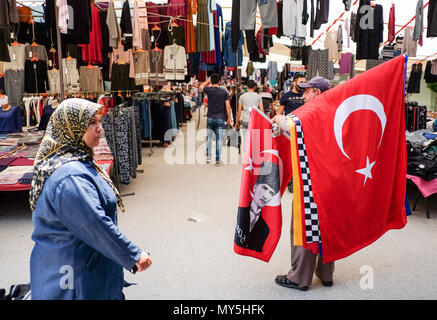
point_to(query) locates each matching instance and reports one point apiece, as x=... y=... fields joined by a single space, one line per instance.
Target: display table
x=426 y=188
x=106 y=164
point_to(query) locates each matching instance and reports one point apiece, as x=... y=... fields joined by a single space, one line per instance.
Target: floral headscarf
x=63 y=142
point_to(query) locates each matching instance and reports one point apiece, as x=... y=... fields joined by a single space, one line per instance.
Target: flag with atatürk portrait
x=266 y=173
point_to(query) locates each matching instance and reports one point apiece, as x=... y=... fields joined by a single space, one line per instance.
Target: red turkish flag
x=355 y=141
x=266 y=173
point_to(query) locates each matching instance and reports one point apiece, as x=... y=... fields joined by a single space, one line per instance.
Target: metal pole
x=61 y=69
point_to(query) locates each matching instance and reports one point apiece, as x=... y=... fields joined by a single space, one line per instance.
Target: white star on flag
x=250 y=166
x=367 y=171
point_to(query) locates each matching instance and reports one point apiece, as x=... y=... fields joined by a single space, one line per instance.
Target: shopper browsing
x=79 y=251
x=218 y=108
x=246 y=102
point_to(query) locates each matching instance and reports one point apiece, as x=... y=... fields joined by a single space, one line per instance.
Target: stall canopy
x=404 y=18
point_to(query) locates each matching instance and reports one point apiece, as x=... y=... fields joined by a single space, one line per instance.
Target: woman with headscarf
x=79 y=251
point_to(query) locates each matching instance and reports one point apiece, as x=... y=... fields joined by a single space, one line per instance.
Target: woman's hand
x=144 y=262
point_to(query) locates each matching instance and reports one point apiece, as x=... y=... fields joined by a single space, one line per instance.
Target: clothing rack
x=149 y=96
x=115 y=156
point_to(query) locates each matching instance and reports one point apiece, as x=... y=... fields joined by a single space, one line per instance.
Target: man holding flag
x=347 y=157
x=303 y=261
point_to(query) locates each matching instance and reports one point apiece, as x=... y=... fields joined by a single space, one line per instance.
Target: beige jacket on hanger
x=175 y=62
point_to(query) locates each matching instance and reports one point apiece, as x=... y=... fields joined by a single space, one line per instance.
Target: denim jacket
x=229 y=55
x=79 y=251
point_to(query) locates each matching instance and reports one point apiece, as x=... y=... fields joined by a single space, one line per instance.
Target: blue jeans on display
x=217 y=127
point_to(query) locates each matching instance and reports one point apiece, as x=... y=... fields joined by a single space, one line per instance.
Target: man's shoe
x=326 y=283
x=208 y=160
x=283 y=281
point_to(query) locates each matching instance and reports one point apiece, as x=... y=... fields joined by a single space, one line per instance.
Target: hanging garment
x=305 y=54
x=159 y=38
x=348 y=31
x=120 y=79
x=235 y=27
x=146 y=44
x=190 y=36
x=409 y=45
x=331 y=44
x=369 y=37
x=156 y=77
x=178 y=8
x=202 y=34
x=142 y=67
x=71 y=76
x=415 y=78
x=126 y=26
x=318 y=63
x=17 y=57
x=14 y=86
x=280 y=9
x=434 y=67
x=388 y=52
x=111 y=21
x=38 y=51
x=119 y=55
x=116 y=127
x=194 y=64
x=292 y=18
x=345 y=63
x=10 y=120
x=322 y=13
x=139 y=23
x=62 y=16
x=79 y=22
x=46 y=114
x=432 y=19
x=340 y=39
x=331 y=71
x=218 y=27
x=353 y=25
x=175 y=63
x=8 y=12
x=295 y=53
x=352 y=73
x=175 y=35
x=36 y=79
x=54 y=81
x=267 y=9
x=5 y=39
x=212 y=6
x=371 y=63
x=92 y=52
x=391 y=24
x=272 y=71
x=418 y=26
x=91 y=79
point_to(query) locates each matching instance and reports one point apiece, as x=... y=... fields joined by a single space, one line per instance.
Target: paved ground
x=195 y=260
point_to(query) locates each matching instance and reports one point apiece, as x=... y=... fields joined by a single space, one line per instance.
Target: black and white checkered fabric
x=312 y=231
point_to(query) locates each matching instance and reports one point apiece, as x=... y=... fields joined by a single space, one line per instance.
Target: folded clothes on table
x=26 y=178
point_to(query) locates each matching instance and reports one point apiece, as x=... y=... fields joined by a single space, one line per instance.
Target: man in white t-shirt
x=246 y=102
